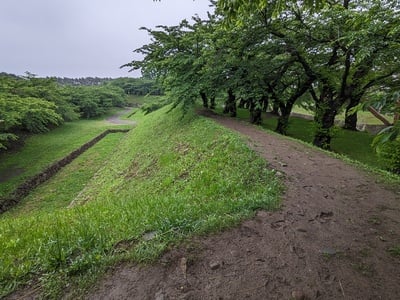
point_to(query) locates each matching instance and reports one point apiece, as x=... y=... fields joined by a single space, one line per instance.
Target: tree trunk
x=212 y=102
x=230 y=104
x=255 y=112
x=204 y=98
x=283 y=120
x=396 y=116
x=286 y=108
x=275 y=108
x=282 y=125
x=325 y=114
x=350 y=122
x=242 y=103
x=265 y=102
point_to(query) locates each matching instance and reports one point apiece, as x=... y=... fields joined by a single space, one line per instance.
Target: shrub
x=94 y=101
x=389 y=154
x=31 y=114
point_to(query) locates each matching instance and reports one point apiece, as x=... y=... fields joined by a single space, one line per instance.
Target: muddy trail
x=330 y=239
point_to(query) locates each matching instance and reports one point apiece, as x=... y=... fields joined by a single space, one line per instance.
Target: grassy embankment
x=40 y=150
x=170 y=177
x=137 y=101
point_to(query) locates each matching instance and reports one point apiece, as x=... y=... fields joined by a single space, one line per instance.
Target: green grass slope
x=41 y=150
x=169 y=178
x=59 y=190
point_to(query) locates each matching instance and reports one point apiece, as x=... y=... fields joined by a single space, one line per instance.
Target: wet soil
x=116 y=118
x=330 y=239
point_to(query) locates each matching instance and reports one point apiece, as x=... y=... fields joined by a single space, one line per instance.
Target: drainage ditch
x=26 y=187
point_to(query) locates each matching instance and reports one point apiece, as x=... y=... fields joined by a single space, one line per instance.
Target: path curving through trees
x=330 y=239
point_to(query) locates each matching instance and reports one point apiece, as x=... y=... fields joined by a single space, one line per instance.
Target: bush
x=389 y=154
x=93 y=101
x=6 y=138
x=31 y=114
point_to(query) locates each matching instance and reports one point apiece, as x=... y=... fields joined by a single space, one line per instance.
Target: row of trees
x=327 y=55
x=82 y=81
x=137 y=86
x=131 y=86
x=34 y=105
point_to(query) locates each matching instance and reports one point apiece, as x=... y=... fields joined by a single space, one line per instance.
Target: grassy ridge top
x=171 y=177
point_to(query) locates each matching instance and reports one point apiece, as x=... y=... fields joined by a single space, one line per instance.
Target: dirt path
x=330 y=240
x=116 y=119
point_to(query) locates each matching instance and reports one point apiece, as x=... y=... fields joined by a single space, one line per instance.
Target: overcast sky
x=80 y=38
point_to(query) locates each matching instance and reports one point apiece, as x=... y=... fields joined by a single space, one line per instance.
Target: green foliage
x=31 y=114
x=41 y=150
x=189 y=180
x=235 y=9
x=6 y=138
x=37 y=115
x=154 y=105
x=279 y=51
x=389 y=154
x=68 y=182
x=93 y=101
x=137 y=86
x=37 y=104
x=387 y=145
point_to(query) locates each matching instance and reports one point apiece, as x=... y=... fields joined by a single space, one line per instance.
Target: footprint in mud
x=280 y=224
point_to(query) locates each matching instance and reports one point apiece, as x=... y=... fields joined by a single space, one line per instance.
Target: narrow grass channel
x=41 y=150
x=60 y=190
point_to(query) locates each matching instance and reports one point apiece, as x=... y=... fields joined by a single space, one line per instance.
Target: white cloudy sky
x=79 y=38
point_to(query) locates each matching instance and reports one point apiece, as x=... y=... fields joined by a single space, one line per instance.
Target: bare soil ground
x=329 y=240
x=116 y=118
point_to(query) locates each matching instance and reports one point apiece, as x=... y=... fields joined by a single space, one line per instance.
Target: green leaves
x=341 y=52
x=31 y=114
x=37 y=104
x=5 y=138
x=235 y=9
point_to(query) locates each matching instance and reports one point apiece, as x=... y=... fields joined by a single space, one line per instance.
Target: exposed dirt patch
x=116 y=119
x=329 y=240
x=135 y=170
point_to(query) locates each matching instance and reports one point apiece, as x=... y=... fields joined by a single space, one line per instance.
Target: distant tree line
x=82 y=81
x=138 y=86
x=131 y=86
